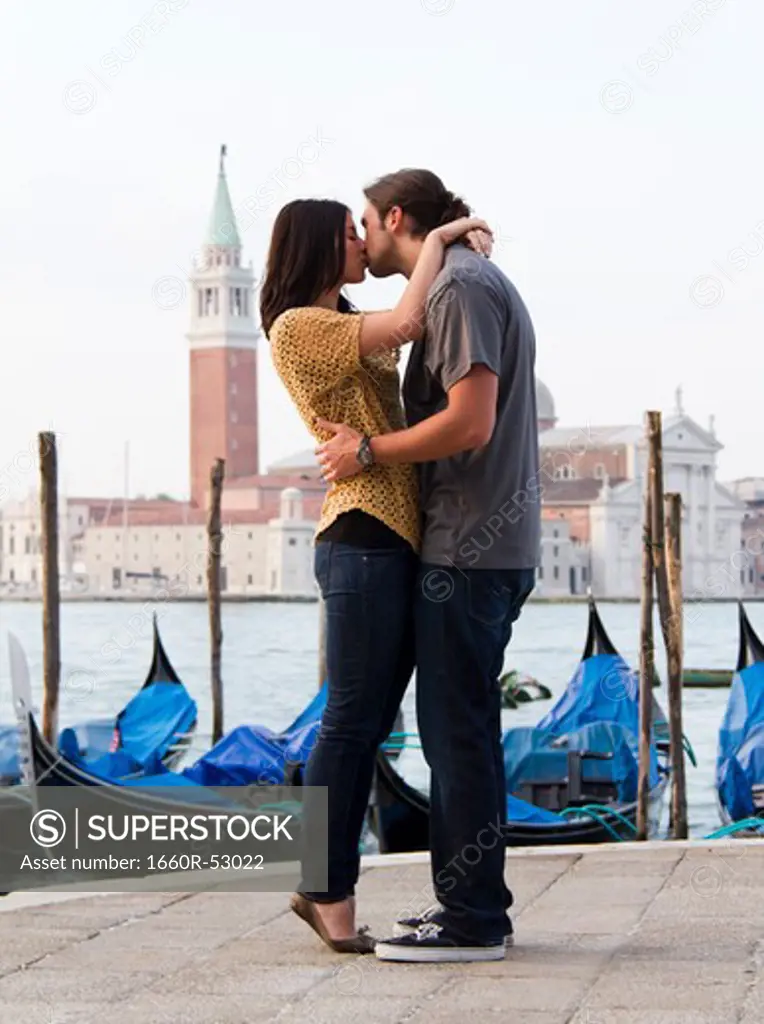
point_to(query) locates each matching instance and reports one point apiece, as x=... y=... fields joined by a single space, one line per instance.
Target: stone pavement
x=655 y=933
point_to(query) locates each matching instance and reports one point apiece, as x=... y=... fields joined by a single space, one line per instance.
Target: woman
x=341 y=366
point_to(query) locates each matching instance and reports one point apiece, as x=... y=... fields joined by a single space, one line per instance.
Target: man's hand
x=337 y=457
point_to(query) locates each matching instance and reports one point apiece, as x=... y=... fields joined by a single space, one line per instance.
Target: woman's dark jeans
x=368 y=595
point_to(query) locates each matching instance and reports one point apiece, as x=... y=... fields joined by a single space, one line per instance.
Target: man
x=469 y=392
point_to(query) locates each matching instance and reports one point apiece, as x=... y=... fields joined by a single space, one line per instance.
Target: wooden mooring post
x=51 y=595
x=661 y=574
x=655 y=441
x=646 y=643
x=674 y=648
x=214 y=549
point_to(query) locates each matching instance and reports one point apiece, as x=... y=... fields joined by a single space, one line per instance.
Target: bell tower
x=222 y=339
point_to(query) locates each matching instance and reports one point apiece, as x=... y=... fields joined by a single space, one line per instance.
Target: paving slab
x=604 y=935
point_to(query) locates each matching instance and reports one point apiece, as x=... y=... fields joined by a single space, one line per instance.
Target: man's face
x=381 y=247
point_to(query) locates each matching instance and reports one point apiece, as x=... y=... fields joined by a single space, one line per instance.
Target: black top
x=362 y=530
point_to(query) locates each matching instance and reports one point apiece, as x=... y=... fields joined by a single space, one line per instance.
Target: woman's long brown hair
x=306 y=257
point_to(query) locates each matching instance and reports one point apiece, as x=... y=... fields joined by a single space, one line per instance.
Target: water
x=270 y=665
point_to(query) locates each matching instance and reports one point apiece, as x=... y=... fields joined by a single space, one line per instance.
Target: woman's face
x=355 y=254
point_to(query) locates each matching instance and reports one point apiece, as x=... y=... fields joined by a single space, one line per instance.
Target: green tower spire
x=222 y=229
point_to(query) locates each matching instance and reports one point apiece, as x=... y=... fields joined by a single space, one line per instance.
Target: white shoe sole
x=438 y=955
x=399 y=930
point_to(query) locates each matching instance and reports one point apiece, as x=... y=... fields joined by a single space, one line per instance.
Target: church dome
x=544 y=404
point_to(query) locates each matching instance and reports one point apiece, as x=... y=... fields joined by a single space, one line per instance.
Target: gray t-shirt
x=481 y=509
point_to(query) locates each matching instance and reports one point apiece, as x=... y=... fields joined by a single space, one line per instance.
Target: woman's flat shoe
x=305 y=909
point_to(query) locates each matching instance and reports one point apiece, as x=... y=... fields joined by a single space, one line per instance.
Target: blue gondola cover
x=254 y=754
x=740 y=758
x=153 y=720
x=598 y=712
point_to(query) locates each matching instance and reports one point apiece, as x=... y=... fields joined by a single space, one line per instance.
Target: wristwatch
x=364 y=454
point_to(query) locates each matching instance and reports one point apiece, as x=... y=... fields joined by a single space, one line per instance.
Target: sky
x=616 y=150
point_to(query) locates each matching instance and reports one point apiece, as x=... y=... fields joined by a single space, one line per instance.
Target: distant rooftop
x=590 y=436
x=305 y=459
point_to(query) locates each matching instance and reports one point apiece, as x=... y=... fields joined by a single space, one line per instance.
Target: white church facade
x=598 y=476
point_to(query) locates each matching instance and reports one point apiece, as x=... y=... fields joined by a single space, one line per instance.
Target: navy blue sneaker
x=406 y=925
x=434 y=943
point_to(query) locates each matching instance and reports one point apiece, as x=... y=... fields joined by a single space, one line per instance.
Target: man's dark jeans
x=369 y=595
x=463 y=623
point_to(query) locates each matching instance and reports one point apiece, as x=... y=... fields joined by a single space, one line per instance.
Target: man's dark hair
x=419 y=193
x=306 y=257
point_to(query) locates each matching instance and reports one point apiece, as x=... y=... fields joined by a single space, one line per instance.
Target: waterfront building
x=594 y=477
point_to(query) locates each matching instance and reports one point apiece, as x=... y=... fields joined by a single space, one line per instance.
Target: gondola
x=166 y=796
x=740 y=755
x=155 y=727
x=570 y=779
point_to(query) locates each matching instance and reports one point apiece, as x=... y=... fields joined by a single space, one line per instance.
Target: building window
x=234 y=389
x=11 y=549
x=12 y=575
x=556 y=552
x=599 y=470
x=249 y=536
x=245 y=302
x=557 y=572
x=234 y=416
x=541 y=572
x=200 y=309
x=34 y=575
x=750 y=575
x=249 y=580
x=292 y=542
x=177 y=536
x=583 y=574
x=555 y=532
x=26 y=545
x=198 y=581
x=217 y=307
